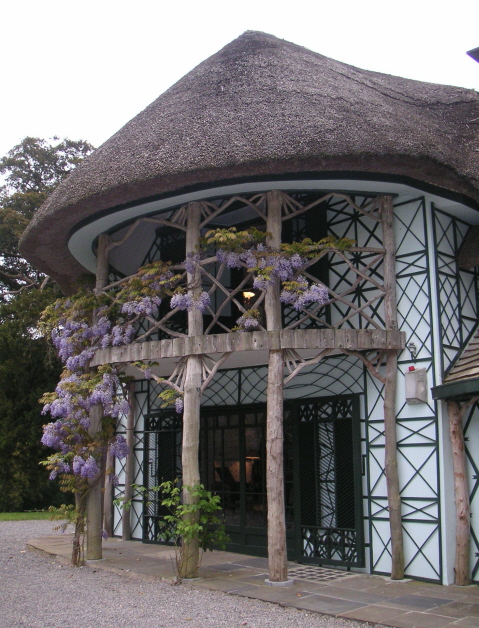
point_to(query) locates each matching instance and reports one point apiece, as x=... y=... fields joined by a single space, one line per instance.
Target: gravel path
x=36 y=592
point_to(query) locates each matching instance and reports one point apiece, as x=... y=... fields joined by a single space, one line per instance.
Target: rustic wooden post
x=102 y=263
x=94 y=496
x=277 y=555
x=78 y=535
x=391 y=465
x=129 y=464
x=108 y=496
x=189 y=563
x=461 y=493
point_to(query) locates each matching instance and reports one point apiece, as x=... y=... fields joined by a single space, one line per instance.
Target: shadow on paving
x=375 y=599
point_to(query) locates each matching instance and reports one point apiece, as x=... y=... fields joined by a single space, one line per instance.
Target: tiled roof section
x=467 y=366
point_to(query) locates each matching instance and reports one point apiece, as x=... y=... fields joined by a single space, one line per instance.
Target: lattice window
x=141 y=410
x=344 y=221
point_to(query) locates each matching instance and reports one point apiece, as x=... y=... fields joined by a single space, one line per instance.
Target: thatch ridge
x=263 y=106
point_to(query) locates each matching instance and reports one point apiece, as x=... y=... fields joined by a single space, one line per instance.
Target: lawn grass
x=21 y=516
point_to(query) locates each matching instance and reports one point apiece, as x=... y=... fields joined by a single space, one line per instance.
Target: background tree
x=27 y=369
x=31 y=171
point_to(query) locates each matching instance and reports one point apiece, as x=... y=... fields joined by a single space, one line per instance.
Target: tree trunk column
x=129 y=464
x=108 y=495
x=277 y=555
x=192 y=395
x=461 y=494
x=390 y=437
x=94 y=497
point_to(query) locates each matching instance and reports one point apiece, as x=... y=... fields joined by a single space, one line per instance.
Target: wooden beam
x=95 y=500
x=102 y=262
x=129 y=465
x=277 y=557
x=308 y=339
x=390 y=388
x=461 y=493
x=189 y=562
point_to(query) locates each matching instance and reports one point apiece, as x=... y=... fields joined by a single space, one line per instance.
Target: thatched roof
x=262 y=106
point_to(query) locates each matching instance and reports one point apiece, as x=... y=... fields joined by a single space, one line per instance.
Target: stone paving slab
x=375 y=599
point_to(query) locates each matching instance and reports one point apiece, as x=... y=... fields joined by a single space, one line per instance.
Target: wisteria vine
x=89 y=321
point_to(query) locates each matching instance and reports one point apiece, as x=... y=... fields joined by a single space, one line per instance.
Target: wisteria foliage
x=87 y=322
x=246 y=249
x=79 y=326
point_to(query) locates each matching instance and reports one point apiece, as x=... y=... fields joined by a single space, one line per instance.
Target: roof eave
x=464 y=389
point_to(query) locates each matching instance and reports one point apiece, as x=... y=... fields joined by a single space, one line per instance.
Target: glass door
x=233 y=465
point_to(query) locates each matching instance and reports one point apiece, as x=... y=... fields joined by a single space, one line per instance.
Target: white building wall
x=416 y=424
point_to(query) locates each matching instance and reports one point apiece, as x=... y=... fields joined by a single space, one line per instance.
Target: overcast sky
x=82 y=69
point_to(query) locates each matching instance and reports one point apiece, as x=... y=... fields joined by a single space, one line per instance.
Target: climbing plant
x=92 y=320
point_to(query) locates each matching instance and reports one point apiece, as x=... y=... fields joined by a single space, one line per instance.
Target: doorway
x=322 y=475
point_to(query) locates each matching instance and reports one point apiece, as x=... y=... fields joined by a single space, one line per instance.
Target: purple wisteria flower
x=53 y=435
x=76 y=341
x=232 y=259
x=282 y=269
x=77 y=465
x=163 y=282
x=305 y=295
x=184 y=301
x=181 y=301
x=105 y=393
x=77 y=362
x=247 y=322
x=260 y=282
x=84 y=422
x=146 y=306
x=288 y=297
x=119 y=448
x=120 y=335
x=61 y=467
x=191 y=262
x=101 y=327
x=249 y=258
x=296 y=261
x=202 y=302
x=179 y=405
x=269 y=265
x=90 y=468
x=113 y=479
